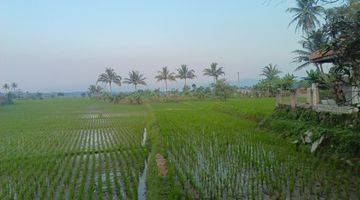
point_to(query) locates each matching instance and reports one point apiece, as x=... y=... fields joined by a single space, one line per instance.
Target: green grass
x=87 y=149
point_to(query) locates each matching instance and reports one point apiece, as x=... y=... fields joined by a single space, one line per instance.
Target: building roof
x=322 y=56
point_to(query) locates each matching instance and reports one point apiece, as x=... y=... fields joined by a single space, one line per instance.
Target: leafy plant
x=223 y=89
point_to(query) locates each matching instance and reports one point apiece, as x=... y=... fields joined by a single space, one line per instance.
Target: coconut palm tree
x=287 y=82
x=313 y=76
x=214 y=71
x=306 y=14
x=135 y=78
x=109 y=77
x=165 y=75
x=6 y=87
x=270 y=72
x=185 y=73
x=14 y=86
x=316 y=41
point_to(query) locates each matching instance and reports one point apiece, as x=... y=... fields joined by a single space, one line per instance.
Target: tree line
x=9 y=87
x=135 y=78
x=9 y=90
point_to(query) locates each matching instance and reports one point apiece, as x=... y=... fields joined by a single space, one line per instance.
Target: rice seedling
x=85 y=149
x=222 y=155
x=67 y=155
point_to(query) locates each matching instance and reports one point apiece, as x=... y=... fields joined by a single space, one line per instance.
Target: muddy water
x=142 y=183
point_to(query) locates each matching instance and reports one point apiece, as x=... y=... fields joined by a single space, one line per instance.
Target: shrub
x=7 y=99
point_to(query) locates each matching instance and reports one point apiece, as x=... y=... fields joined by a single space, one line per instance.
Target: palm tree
x=165 y=75
x=94 y=90
x=270 y=72
x=306 y=14
x=135 y=78
x=6 y=87
x=313 y=77
x=316 y=41
x=185 y=73
x=287 y=82
x=109 y=77
x=214 y=71
x=14 y=86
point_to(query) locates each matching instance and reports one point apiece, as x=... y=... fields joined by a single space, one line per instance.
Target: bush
x=7 y=99
x=223 y=89
x=340 y=130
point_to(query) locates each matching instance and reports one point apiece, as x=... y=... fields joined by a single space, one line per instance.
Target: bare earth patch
x=161 y=164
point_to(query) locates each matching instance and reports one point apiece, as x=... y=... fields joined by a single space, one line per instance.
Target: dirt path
x=161 y=164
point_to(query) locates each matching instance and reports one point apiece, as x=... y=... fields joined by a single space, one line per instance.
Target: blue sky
x=63 y=45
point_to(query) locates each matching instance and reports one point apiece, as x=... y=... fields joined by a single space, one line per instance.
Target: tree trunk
x=135 y=87
x=185 y=83
x=165 y=86
x=321 y=69
x=317 y=67
x=110 y=88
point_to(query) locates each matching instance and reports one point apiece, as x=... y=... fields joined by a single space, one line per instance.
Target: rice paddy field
x=88 y=149
x=71 y=149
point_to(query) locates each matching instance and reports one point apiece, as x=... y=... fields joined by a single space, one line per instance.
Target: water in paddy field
x=144 y=138
x=108 y=115
x=142 y=177
x=142 y=183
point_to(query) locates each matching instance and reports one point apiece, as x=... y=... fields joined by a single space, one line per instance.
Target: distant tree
x=165 y=75
x=202 y=92
x=315 y=41
x=312 y=77
x=185 y=73
x=157 y=92
x=271 y=81
x=94 y=90
x=39 y=95
x=6 y=87
x=193 y=86
x=270 y=72
x=223 y=89
x=186 y=90
x=214 y=71
x=109 y=77
x=60 y=94
x=135 y=78
x=14 y=86
x=306 y=14
x=287 y=82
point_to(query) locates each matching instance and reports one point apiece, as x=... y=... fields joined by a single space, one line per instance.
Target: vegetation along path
x=88 y=149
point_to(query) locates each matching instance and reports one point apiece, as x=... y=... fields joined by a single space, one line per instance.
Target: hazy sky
x=64 y=45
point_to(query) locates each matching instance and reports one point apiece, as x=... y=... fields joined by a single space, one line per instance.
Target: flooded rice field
x=103 y=151
x=97 y=159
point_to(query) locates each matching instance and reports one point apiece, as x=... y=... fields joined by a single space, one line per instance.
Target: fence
x=314 y=98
